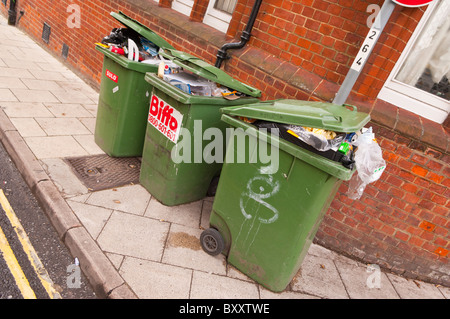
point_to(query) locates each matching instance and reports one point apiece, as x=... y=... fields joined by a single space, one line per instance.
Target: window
x=219 y=12
x=419 y=81
x=183 y=6
x=225 y=5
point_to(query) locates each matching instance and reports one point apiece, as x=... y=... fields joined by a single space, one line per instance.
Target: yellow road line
x=14 y=268
x=42 y=274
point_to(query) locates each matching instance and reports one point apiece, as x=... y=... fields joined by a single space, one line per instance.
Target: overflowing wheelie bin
x=268 y=207
x=124 y=94
x=184 y=119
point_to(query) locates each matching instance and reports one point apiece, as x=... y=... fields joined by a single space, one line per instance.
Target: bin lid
x=141 y=29
x=208 y=71
x=333 y=168
x=322 y=115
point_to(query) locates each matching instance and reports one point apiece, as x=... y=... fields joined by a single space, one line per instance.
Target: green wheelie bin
x=124 y=97
x=177 y=165
x=267 y=209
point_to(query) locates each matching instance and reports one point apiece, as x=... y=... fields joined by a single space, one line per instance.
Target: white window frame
x=217 y=19
x=183 y=6
x=410 y=98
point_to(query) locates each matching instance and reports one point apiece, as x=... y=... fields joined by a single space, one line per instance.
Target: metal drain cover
x=100 y=172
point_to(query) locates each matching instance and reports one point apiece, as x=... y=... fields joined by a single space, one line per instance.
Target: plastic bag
x=120 y=36
x=149 y=47
x=321 y=140
x=369 y=164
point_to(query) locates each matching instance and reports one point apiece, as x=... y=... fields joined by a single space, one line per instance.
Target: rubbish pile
x=332 y=145
x=127 y=42
x=132 y=45
x=193 y=84
x=358 y=150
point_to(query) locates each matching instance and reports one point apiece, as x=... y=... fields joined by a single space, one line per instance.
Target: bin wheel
x=212 y=242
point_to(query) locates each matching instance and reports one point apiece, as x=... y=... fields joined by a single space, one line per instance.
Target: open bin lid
x=208 y=71
x=328 y=116
x=141 y=29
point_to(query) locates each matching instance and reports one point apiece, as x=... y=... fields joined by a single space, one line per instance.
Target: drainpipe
x=12 y=14
x=222 y=53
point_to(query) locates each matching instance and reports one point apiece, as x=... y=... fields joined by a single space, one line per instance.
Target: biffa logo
x=165 y=118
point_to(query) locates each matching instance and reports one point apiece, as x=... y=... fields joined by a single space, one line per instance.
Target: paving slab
x=16 y=73
x=54 y=65
x=68 y=110
x=88 y=143
x=267 y=294
x=115 y=259
x=135 y=236
x=365 y=282
x=414 y=289
x=186 y=214
x=55 y=146
x=71 y=96
x=25 y=95
x=89 y=123
x=183 y=249
x=154 y=280
x=92 y=108
x=48 y=75
x=6 y=95
x=28 y=127
x=15 y=43
x=14 y=63
x=95 y=264
x=131 y=199
x=27 y=110
x=63 y=177
x=445 y=291
x=34 y=84
x=93 y=218
x=62 y=126
x=211 y=286
x=7 y=82
x=319 y=277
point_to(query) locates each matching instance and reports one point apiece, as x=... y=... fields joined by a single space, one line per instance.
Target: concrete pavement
x=129 y=245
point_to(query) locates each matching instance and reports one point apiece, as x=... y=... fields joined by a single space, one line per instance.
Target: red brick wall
x=303 y=50
x=199 y=10
x=323 y=37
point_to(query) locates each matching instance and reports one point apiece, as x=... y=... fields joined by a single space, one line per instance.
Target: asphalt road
x=53 y=255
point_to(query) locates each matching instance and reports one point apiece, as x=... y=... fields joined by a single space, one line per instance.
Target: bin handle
x=252 y=89
x=354 y=108
x=331 y=119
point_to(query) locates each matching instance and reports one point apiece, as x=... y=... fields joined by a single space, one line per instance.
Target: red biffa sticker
x=165 y=118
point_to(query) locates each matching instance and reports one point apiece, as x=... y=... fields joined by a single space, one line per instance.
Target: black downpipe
x=222 y=53
x=12 y=14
